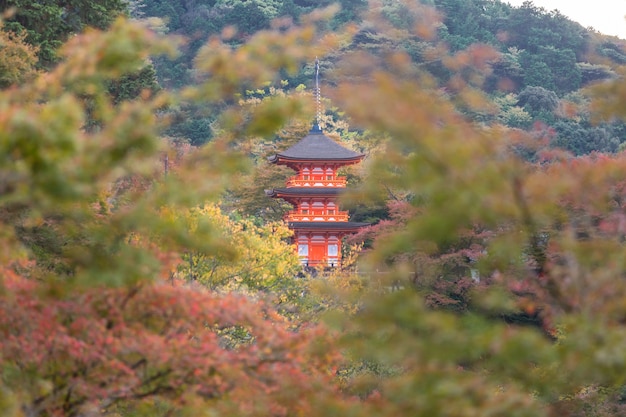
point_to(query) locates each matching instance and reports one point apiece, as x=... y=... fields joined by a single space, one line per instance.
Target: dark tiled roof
x=298 y=191
x=327 y=225
x=317 y=146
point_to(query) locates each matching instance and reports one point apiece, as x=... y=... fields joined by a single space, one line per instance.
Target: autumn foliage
x=494 y=287
x=89 y=350
x=93 y=318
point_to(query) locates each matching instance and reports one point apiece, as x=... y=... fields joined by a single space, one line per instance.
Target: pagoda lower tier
x=319 y=243
x=318 y=225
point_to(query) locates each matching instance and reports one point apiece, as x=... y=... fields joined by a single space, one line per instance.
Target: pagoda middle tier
x=311 y=203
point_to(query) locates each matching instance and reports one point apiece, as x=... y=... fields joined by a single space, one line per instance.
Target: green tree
x=132 y=86
x=49 y=23
x=536 y=72
x=467 y=23
x=531 y=27
x=255 y=259
x=508 y=74
x=566 y=75
x=613 y=52
x=250 y=16
x=538 y=98
x=582 y=139
x=511 y=114
x=594 y=72
x=17 y=59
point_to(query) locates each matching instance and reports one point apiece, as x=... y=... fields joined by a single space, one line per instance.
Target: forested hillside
x=145 y=273
x=545 y=59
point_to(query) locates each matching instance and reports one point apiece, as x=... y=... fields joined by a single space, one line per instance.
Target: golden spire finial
x=318 y=95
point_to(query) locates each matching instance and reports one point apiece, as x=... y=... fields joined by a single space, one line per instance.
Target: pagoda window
x=303 y=249
x=318 y=173
x=305 y=211
x=331 y=211
x=318 y=208
x=333 y=250
x=305 y=177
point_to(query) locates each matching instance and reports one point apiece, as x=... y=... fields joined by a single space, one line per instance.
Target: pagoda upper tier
x=316 y=147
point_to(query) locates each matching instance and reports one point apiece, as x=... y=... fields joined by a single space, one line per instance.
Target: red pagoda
x=316 y=220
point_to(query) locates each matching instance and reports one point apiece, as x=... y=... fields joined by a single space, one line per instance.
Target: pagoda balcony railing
x=293 y=216
x=328 y=262
x=298 y=182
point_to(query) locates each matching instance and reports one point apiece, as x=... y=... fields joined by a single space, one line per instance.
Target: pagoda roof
x=348 y=226
x=317 y=147
x=304 y=191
